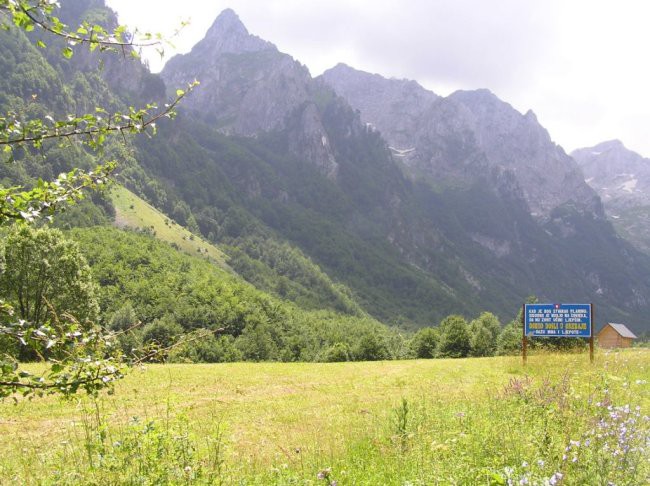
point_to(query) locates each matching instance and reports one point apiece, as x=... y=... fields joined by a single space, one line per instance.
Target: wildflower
x=324 y=474
x=555 y=478
x=524 y=464
x=540 y=463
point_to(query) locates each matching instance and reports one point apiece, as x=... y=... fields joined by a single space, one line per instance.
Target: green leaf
x=41 y=44
x=180 y=92
x=67 y=52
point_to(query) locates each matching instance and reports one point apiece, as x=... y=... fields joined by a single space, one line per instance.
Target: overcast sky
x=583 y=66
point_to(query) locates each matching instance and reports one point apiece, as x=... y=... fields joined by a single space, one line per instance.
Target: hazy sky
x=583 y=66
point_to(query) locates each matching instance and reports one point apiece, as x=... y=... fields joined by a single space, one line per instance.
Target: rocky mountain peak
x=227 y=21
x=482 y=95
x=621 y=176
x=530 y=115
x=228 y=34
x=466 y=136
x=247 y=85
x=393 y=106
x=622 y=179
x=610 y=144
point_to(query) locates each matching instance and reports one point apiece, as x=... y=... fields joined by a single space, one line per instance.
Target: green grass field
x=133 y=212
x=470 y=421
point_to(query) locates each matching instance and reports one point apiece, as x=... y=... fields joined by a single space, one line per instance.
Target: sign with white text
x=557 y=320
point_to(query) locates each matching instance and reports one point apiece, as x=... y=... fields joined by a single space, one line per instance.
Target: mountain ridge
x=622 y=179
x=473 y=153
x=282 y=172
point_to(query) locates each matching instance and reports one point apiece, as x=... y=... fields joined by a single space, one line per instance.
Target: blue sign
x=557 y=320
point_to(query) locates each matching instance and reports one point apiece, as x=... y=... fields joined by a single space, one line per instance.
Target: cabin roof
x=622 y=330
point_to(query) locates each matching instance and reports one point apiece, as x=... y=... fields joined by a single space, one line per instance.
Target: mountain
x=461 y=200
x=403 y=205
x=619 y=175
x=466 y=135
x=312 y=172
x=250 y=87
x=517 y=194
x=622 y=179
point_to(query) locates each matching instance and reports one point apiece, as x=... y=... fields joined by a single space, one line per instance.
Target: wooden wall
x=609 y=338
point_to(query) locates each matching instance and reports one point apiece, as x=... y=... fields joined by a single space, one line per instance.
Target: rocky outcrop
x=619 y=175
x=622 y=179
x=309 y=138
x=467 y=135
x=249 y=87
x=397 y=108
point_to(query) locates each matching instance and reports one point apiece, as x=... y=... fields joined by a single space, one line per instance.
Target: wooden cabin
x=615 y=336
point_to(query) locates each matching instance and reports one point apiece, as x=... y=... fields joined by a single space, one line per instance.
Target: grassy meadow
x=134 y=212
x=560 y=420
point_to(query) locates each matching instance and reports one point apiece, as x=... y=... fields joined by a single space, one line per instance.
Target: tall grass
x=479 y=421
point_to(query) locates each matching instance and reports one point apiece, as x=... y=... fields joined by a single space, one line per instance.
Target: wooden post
x=591 y=336
x=524 y=338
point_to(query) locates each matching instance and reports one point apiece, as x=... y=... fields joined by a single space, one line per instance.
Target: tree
x=371 y=347
x=509 y=341
x=124 y=323
x=81 y=355
x=90 y=129
x=162 y=333
x=46 y=276
x=484 y=331
x=49 y=309
x=337 y=353
x=454 y=337
x=482 y=341
x=425 y=343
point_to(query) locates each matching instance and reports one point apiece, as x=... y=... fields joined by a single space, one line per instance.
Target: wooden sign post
x=524 y=339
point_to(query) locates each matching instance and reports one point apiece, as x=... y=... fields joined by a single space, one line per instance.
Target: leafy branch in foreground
x=78 y=358
x=29 y=14
x=79 y=355
x=28 y=205
x=92 y=129
x=17 y=204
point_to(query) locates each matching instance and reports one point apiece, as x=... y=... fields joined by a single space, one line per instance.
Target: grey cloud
x=466 y=43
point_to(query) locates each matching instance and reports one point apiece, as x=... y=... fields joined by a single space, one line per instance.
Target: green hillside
x=133 y=212
x=142 y=279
